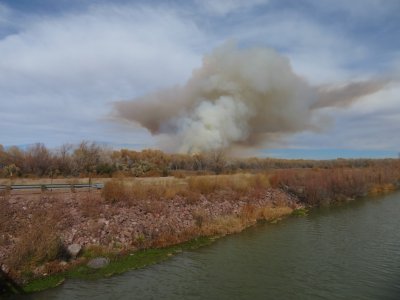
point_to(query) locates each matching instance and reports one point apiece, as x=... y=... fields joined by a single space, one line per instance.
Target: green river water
x=350 y=251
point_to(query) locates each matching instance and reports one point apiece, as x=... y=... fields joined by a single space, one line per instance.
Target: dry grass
x=139 y=190
x=115 y=191
x=317 y=186
x=37 y=244
x=222 y=225
x=54 y=267
x=134 y=191
x=200 y=217
x=274 y=213
x=240 y=183
x=204 y=184
x=178 y=174
x=381 y=189
x=249 y=215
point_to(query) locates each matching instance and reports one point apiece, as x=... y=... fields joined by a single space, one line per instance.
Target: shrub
x=222 y=225
x=114 y=191
x=248 y=213
x=203 y=184
x=319 y=186
x=200 y=216
x=36 y=245
x=239 y=183
x=258 y=181
x=137 y=191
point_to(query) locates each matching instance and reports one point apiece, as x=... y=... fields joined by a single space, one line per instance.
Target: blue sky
x=63 y=63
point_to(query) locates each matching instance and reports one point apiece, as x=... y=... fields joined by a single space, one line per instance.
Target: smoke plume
x=238 y=97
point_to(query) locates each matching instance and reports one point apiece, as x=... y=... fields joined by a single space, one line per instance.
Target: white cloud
x=58 y=74
x=139 y=47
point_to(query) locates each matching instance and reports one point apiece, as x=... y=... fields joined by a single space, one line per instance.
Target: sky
x=63 y=64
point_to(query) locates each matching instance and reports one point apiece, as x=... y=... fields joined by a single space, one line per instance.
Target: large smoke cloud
x=239 y=97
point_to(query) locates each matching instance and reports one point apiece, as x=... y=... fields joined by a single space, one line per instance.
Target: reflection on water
x=346 y=252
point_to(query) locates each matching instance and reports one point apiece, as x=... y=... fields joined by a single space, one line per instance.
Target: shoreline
x=147 y=257
x=118 y=264
x=104 y=226
x=129 y=261
x=203 y=231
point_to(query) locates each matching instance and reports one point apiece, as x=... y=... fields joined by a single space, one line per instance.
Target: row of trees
x=89 y=158
x=40 y=161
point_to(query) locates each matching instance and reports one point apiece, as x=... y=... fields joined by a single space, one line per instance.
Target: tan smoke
x=345 y=95
x=238 y=97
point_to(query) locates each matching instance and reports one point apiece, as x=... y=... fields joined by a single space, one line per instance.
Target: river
x=350 y=251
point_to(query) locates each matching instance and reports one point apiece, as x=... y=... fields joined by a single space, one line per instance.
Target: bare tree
x=63 y=159
x=216 y=160
x=38 y=160
x=86 y=157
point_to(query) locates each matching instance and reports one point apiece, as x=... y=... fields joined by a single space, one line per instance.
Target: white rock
x=74 y=249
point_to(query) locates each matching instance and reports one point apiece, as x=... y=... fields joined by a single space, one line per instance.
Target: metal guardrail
x=50 y=186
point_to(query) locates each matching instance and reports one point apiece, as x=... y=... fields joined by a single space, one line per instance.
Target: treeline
x=92 y=159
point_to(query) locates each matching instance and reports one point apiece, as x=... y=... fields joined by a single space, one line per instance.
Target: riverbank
x=133 y=223
x=118 y=263
x=126 y=218
x=327 y=255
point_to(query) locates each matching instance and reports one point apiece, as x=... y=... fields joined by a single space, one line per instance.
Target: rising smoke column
x=237 y=97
